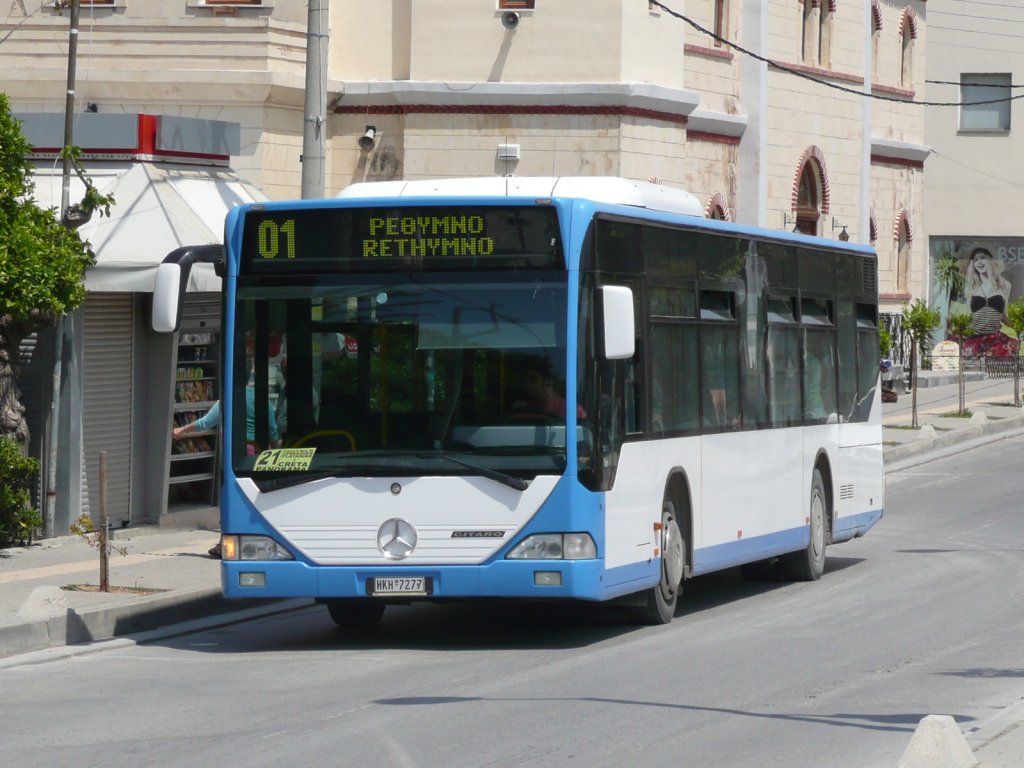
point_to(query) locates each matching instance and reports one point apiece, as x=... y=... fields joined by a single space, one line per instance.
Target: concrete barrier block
x=938 y=743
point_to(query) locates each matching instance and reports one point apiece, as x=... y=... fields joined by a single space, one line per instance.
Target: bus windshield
x=384 y=374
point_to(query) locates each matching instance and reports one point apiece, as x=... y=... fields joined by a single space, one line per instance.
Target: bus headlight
x=578 y=546
x=555 y=546
x=254 y=548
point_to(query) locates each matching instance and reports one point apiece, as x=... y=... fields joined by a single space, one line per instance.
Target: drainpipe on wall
x=864 y=215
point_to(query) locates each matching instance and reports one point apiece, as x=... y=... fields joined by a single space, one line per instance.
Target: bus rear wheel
x=356 y=614
x=808 y=564
x=661 y=602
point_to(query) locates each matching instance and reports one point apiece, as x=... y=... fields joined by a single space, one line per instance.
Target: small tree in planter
x=959 y=327
x=1015 y=319
x=920 y=320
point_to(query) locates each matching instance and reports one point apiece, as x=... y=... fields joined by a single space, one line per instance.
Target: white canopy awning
x=157 y=208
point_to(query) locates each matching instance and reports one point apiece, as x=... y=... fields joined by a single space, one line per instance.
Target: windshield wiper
x=301 y=478
x=491 y=474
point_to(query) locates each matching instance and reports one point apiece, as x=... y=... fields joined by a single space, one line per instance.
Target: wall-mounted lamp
x=788 y=220
x=843 y=234
x=366 y=140
x=510 y=19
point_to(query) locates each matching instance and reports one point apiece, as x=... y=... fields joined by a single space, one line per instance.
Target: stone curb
x=141 y=614
x=916 y=452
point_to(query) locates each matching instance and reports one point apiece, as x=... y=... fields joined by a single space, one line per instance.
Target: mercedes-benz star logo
x=396 y=538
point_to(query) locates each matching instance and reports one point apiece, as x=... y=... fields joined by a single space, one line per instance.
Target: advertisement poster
x=978 y=277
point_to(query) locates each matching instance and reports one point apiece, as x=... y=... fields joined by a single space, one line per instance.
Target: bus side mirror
x=172 y=280
x=618 y=333
x=167 y=298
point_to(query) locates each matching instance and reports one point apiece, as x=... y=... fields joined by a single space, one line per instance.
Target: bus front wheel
x=660 y=606
x=808 y=564
x=356 y=614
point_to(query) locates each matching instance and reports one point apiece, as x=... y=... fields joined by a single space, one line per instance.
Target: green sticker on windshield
x=285 y=460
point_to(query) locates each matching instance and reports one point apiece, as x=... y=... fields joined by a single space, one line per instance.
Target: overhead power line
x=818 y=80
x=17 y=26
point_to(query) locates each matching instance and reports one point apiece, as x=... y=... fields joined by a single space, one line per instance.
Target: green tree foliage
x=42 y=265
x=919 y=320
x=949 y=277
x=17 y=518
x=1015 y=320
x=884 y=342
x=959 y=325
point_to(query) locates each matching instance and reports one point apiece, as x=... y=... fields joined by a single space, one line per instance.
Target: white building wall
x=972 y=187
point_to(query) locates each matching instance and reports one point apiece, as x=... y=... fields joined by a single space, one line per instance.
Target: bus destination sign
x=427 y=236
x=332 y=239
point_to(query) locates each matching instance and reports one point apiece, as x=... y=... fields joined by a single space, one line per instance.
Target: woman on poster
x=987 y=293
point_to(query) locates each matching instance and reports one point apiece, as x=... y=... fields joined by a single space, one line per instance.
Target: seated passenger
x=540 y=398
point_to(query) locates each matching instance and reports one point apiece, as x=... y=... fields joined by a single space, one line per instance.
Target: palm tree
x=948 y=276
x=960 y=326
x=950 y=281
x=919 y=320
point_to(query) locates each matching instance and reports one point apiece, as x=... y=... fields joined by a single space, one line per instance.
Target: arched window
x=720 y=24
x=903 y=238
x=872 y=229
x=808 y=200
x=809 y=32
x=810 y=196
x=717 y=208
x=828 y=10
x=908 y=32
x=876 y=34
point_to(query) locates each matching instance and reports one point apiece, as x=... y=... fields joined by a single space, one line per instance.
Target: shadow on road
x=480 y=625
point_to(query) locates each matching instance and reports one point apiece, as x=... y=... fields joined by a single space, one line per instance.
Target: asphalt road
x=925 y=615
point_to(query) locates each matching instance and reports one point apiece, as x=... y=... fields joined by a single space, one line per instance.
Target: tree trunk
x=13 y=424
x=1016 y=377
x=963 y=394
x=913 y=384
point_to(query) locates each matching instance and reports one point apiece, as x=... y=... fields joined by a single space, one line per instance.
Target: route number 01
x=270 y=236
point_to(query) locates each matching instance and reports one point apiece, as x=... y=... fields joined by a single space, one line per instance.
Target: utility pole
x=314 y=127
x=58 y=333
x=69 y=108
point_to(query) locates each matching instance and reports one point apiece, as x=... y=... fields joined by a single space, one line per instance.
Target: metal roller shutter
x=107 y=402
x=35 y=380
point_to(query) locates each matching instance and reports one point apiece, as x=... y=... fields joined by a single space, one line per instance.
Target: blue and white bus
x=538 y=388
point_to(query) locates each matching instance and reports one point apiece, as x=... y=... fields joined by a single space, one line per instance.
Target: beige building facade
x=589 y=87
x=786 y=114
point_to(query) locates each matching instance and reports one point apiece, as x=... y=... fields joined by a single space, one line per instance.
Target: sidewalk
x=37 y=613
x=165 y=578
x=939 y=433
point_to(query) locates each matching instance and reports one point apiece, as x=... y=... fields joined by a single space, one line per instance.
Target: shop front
x=123 y=387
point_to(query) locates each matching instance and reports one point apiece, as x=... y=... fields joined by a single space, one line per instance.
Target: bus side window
x=675 y=386
x=784 y=376
x=634 y=393
x=819 y=375
x=720 y=380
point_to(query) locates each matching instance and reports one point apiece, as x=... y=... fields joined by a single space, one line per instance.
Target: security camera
x=510 y=19
x=366 y=140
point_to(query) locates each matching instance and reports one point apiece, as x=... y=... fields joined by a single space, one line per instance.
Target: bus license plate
x=401 y=585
